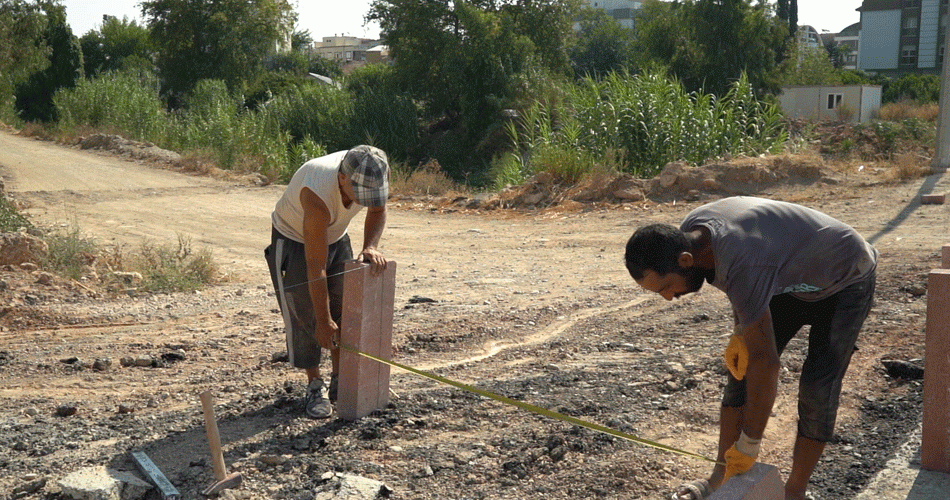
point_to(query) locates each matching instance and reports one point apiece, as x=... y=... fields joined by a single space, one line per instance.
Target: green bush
x=170 y=269
x=314 y=110
x=10 y=219
x=919 y=88
x=387 y=121
x=212 y=121
x=122 y=102
x=163 y=268
x=68 y=253
x=268 y=86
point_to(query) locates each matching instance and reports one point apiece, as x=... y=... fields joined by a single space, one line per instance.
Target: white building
x=344 y=48
x=621 y=10
x=855 y=103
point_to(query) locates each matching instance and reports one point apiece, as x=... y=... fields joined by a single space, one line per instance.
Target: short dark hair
x=655 y=247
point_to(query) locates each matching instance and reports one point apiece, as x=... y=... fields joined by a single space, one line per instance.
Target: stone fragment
x=762 y=482
x=21 y=248
x=101 y=483
x=352 y=487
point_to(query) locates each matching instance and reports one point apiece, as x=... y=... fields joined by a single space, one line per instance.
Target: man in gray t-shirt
x=782 y=266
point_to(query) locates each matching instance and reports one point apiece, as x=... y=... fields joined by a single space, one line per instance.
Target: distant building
x=902 y=36
x=852 y=103
x=809 y=37
x=850 y=38
x=621 y=10
x=378 y=55
x=344 y=49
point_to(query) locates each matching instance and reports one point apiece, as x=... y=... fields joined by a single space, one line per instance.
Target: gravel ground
x=533 y=304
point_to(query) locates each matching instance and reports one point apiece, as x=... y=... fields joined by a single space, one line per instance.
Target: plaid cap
x=368 y=170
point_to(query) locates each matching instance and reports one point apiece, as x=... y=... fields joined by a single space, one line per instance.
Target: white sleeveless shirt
x=320 y=176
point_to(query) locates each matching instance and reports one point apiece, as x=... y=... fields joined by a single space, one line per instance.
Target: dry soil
x=532 y=303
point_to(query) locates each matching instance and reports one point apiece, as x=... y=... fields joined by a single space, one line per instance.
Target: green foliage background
x=495 y=91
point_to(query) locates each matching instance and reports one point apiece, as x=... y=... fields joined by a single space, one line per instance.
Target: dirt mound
x=677 y=181
x=128 y=148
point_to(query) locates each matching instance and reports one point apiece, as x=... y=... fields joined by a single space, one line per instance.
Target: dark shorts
x=288 y=271
x=835 y=323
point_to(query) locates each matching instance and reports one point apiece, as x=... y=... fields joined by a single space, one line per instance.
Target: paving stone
x=762 y=482
x=366 y=325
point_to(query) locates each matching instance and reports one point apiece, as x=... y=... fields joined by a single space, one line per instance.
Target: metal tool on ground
x=155 y=476
x=223 y=480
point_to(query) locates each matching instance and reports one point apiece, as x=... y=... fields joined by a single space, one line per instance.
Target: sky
x=334 y=17
x=321 y=17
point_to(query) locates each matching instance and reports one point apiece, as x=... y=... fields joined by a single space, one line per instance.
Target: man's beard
x=695 y=278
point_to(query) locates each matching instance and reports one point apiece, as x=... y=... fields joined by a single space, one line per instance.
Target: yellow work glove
x=737 y=357
x=741 y=456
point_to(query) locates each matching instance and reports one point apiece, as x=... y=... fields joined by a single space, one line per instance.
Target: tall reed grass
x=214 y=124
x=124 y=102
x=626 y=123
x=638 y=124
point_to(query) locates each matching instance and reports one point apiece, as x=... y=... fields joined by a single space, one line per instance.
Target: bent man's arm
x=761 y=374
x=761 y=379
x=372 y=233
x=316 y=220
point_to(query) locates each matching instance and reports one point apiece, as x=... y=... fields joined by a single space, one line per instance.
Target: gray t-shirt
x=764 y=248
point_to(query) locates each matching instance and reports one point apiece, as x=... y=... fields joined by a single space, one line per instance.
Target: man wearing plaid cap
x=309 y=247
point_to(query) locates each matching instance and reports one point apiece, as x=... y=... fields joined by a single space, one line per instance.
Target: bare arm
x=761 y=375
x=316 y=220
x=372 y=233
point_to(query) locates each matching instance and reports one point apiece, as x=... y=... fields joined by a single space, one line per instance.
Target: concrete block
x=935 y=442
x=762 y=482
x=366 y=325
x=933 y=198
x=101 y=483
x=945 y=261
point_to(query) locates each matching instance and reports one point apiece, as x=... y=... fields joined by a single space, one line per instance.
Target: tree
x=838 y=54
x=547 y=23
x=116 y=45
x=34 y=97
x=222 y=39
x=787 y=10
x=301 y=40
x=919 y=88
x=602 y=45
x=23 y=48
x=464 y=61
x=809 y=66
x=709 y=44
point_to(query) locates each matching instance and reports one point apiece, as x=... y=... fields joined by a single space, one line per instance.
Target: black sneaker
x=334 y=382
x=318 y=406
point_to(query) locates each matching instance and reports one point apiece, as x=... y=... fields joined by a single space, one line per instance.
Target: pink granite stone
x=366 y=325
x=935 y=441
x=933 y=198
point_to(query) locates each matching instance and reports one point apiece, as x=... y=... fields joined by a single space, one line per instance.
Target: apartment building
x=902 y=36
x=850 y=38
x=621 y=10
x=344 y=49
x=808 y=37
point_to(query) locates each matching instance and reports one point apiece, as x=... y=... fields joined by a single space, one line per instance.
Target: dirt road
x=536 y=306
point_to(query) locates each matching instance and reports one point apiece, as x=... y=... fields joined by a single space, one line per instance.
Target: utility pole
x=942 y=157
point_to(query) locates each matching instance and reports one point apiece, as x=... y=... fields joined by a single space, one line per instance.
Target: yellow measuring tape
x=530 y=407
